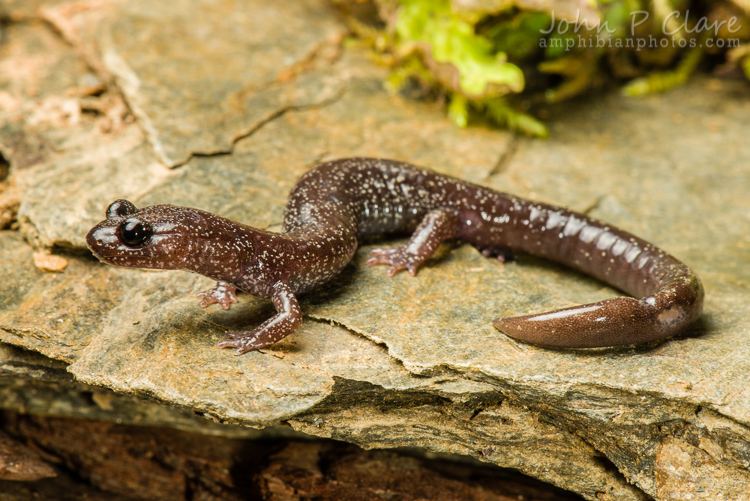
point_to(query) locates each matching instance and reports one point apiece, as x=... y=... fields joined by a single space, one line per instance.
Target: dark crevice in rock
x=66 y=248
x=593 y=205
x=503 y=163
x=5 y=21
x=4 y=167
x=257 y=127
x=348 y=394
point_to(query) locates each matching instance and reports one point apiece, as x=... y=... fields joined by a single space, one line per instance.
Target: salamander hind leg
x=438 y=225
x=502 y=254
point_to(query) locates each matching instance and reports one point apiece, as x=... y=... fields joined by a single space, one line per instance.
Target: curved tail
x=614 y=322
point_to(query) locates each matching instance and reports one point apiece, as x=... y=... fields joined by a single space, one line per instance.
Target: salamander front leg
x=437 y=225
x=288 y=318
x=224 y=293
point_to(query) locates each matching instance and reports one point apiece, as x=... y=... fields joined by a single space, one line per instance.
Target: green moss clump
x=498 y=58
x=473 y=67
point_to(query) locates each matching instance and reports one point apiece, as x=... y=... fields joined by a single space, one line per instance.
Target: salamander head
x=159 y=236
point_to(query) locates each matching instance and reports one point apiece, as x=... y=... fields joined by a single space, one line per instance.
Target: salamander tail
x=613 y=322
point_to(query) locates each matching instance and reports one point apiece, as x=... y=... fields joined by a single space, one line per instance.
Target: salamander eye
x=120 y=208
x=133 y=232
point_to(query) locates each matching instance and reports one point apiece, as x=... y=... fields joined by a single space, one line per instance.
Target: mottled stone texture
x=381 y=362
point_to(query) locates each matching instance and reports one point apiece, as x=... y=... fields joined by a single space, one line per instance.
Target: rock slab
x=381 y=362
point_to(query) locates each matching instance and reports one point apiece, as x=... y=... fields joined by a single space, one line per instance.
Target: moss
x=497 y=58
x=447 y=39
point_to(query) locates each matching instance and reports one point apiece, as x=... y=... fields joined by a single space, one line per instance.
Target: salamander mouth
x=98 y=255
x=100 y=239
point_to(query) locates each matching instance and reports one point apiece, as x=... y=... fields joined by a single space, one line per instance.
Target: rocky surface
x=223 y=109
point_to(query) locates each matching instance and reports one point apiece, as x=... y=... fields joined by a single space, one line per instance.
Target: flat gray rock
x=379 y=361
x=199 y=75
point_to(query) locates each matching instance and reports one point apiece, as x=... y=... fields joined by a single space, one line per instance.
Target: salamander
x=337 y=203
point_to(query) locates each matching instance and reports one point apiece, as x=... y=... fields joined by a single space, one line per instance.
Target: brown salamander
x=338 y=202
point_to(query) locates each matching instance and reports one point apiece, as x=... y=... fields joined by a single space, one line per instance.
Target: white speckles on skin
x=605 y=240
x=573 y=226
x=589 y=233
x=555 y=219
x=619 y=247
x=535 y=213
x=632 y=253
x=642 y=262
